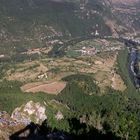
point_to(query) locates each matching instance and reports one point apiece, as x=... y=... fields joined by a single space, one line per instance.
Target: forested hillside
x=31 y=23
x=69 y=69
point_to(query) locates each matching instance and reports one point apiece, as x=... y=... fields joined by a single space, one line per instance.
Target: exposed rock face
x=59 y=116
x=8 y=125
x=31 y=112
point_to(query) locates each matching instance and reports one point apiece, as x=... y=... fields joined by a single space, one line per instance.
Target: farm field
x=52 y=70
x=50 y=88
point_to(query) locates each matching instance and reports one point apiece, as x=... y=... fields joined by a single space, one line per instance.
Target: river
x=133 y=67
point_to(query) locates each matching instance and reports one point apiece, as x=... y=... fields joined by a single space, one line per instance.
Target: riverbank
x=133 y=65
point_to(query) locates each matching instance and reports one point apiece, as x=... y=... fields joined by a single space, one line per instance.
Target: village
x=92 y=47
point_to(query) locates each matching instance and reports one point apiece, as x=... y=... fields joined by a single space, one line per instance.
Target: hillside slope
x=127 y=11
x=31 y=23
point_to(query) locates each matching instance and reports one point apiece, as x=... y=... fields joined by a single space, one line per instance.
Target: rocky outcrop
x=59 y=116
x=8 y=125
x=23 y=119
x=31 y=112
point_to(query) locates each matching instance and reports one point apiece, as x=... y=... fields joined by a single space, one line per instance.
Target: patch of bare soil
x=117 y=83
x=114 y=27
x=50 y=88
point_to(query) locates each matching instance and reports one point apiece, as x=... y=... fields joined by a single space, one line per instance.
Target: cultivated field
x=102 y=67
x=50 y=88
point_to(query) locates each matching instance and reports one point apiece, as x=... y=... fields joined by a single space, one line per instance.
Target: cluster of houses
x=88 y=51
x=34 y=51
x=42 y=76
x=43 y=49
x=132 y=39
x=53 y=42
x=2 y=55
